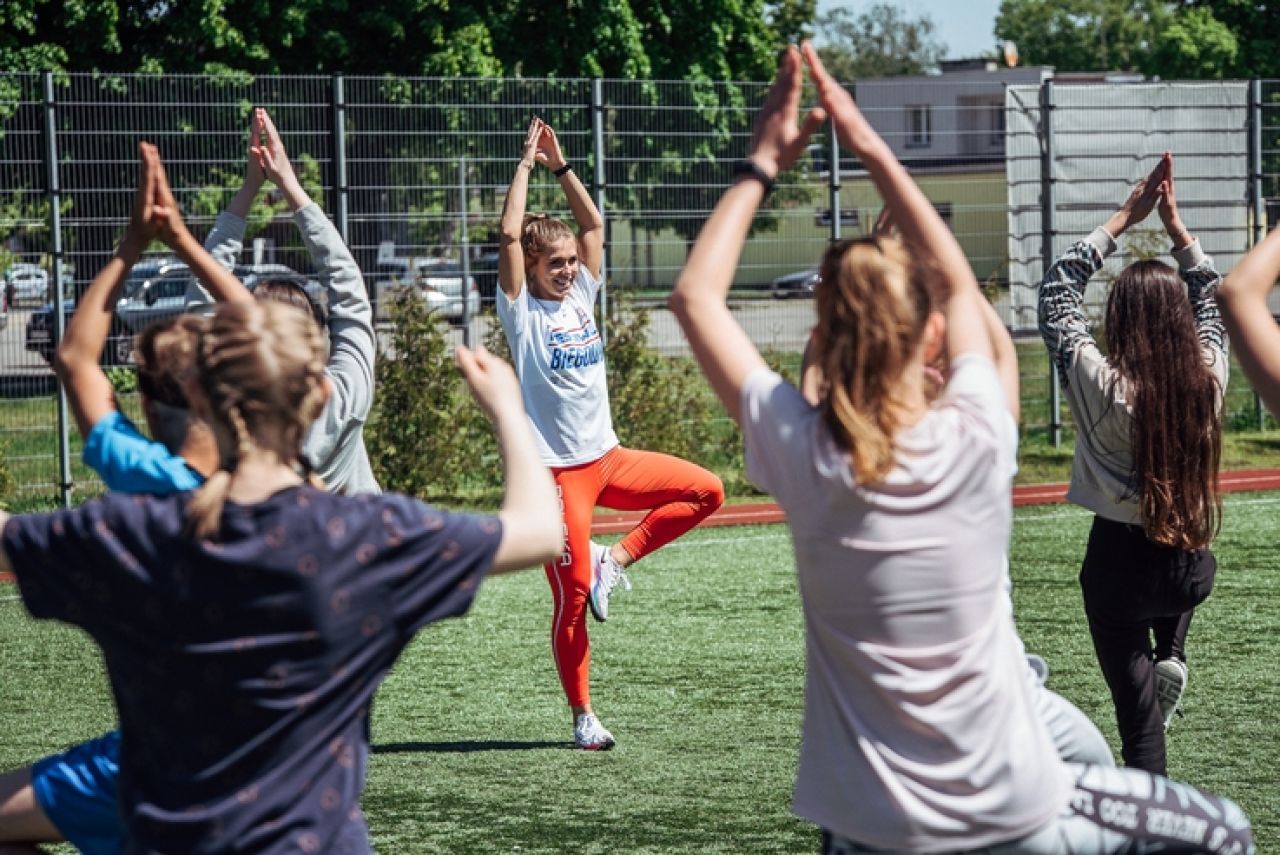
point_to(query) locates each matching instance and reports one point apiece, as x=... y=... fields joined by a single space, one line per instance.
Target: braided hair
x=261 y=369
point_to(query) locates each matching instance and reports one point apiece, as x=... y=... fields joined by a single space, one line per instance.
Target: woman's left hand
x=777 y=141
x=549 y=153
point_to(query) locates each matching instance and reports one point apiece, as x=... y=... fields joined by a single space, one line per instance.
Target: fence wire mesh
x=414 y=173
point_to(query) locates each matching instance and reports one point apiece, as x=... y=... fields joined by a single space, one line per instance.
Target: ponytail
x=872 y=304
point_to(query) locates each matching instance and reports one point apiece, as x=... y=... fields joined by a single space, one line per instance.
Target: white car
x=438 y=280
x=27 y=283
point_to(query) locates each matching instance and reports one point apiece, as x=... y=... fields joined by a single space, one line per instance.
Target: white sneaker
x=1171 y=681
x=589 y=734
x=606 y=574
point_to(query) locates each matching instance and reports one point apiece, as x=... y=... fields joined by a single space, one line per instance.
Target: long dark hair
x=1176 y=433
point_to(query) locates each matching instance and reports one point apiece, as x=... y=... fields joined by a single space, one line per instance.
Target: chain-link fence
x=414 y=171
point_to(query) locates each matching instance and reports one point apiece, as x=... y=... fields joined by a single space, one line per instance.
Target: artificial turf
x=699 y=675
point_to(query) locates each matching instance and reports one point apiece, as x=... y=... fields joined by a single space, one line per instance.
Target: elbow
x=65 y=360
x=509 y=234
x=678 y=300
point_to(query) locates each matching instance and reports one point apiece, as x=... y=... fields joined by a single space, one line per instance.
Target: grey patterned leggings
x=1125 y=812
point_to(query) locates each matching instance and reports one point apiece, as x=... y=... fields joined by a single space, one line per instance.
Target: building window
x=919 y=125
x=997 y=125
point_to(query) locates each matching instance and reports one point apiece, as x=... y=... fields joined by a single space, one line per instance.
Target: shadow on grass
x=465 y=747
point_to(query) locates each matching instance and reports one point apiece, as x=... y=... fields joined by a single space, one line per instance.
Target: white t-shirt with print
x=559 y=358
x=919 y=729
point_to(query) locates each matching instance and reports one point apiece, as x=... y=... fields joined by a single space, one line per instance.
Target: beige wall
x=977 y=200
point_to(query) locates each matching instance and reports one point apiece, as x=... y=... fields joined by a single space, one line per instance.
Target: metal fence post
x=465 y=242
x=834 y=182
x=597 y=144
x=338 y=105
x=1256 y=199
x=53 y=192
x=1047 y=208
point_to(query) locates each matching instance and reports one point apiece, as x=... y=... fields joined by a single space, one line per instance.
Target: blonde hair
x=539 y=231
x=872 y=304
x=262 y=373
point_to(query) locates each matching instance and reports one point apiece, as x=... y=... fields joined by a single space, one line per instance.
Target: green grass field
x=699 y=675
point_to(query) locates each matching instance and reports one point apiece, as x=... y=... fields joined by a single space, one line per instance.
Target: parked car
x=438 y=280
x=155 y=290
x=130 y=310
x=794 y=285
x=25 y=282
x=485 y=270
x=4 y=308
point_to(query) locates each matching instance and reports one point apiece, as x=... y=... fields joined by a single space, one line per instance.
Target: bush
x=426 y=437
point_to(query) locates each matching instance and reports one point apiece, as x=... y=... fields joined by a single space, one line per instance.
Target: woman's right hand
x=529 y=151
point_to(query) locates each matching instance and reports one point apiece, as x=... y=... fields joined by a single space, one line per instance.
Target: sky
x=964 y=26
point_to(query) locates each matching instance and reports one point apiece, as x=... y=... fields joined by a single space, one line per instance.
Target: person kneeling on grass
x=920 y=733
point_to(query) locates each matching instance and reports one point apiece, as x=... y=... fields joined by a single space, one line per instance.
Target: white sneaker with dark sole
x=606 y=574
x=589 y=734
x=1171 y=682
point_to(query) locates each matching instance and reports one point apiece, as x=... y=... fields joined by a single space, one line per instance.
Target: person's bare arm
x=1254 y=332
x=510 y=252
x=912 y=213
x=724 y=351
x=530 y=515
x=89 y=393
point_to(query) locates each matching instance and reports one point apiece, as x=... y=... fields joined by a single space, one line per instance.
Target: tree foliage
x=881 y=42
x=1190 y=39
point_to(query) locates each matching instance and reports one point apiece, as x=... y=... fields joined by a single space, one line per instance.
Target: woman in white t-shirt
x=549 y=280
x=919 y=728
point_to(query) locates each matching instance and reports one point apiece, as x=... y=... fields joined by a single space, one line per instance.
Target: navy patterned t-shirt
x=242 y=666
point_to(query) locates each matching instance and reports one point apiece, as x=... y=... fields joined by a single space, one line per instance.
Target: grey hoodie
x=335 y=443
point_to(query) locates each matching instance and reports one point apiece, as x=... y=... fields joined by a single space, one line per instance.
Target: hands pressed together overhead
x=541 y=146
x=155 y=215
x=1154 y=192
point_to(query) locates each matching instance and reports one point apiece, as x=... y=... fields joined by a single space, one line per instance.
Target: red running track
x=762 y=513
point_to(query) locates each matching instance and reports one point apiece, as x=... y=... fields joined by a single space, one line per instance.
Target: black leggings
x=1133 y=589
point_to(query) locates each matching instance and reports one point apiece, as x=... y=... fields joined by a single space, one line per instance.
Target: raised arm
x=510 y=252
x=1060 y=308
x=226 y=238
x=352 y=341
x=170 y=228
x=531 y=533
x=912 y=213
x=722 y=348
x=1201 y=277
x=89 y=392
x=1243 y=298
x=585 y=213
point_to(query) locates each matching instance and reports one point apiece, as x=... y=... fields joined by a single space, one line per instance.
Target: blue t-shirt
x=129 y=462
x=242 y=666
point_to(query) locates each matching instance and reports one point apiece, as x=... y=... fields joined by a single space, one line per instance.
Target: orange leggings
x=679 y=495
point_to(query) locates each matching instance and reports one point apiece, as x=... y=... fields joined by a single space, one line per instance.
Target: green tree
x=880 y=42
x=1256 y=28
x=1084 y=35
x=1182 y=39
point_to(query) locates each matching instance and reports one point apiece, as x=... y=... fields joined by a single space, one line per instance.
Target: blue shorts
x=77 y=791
